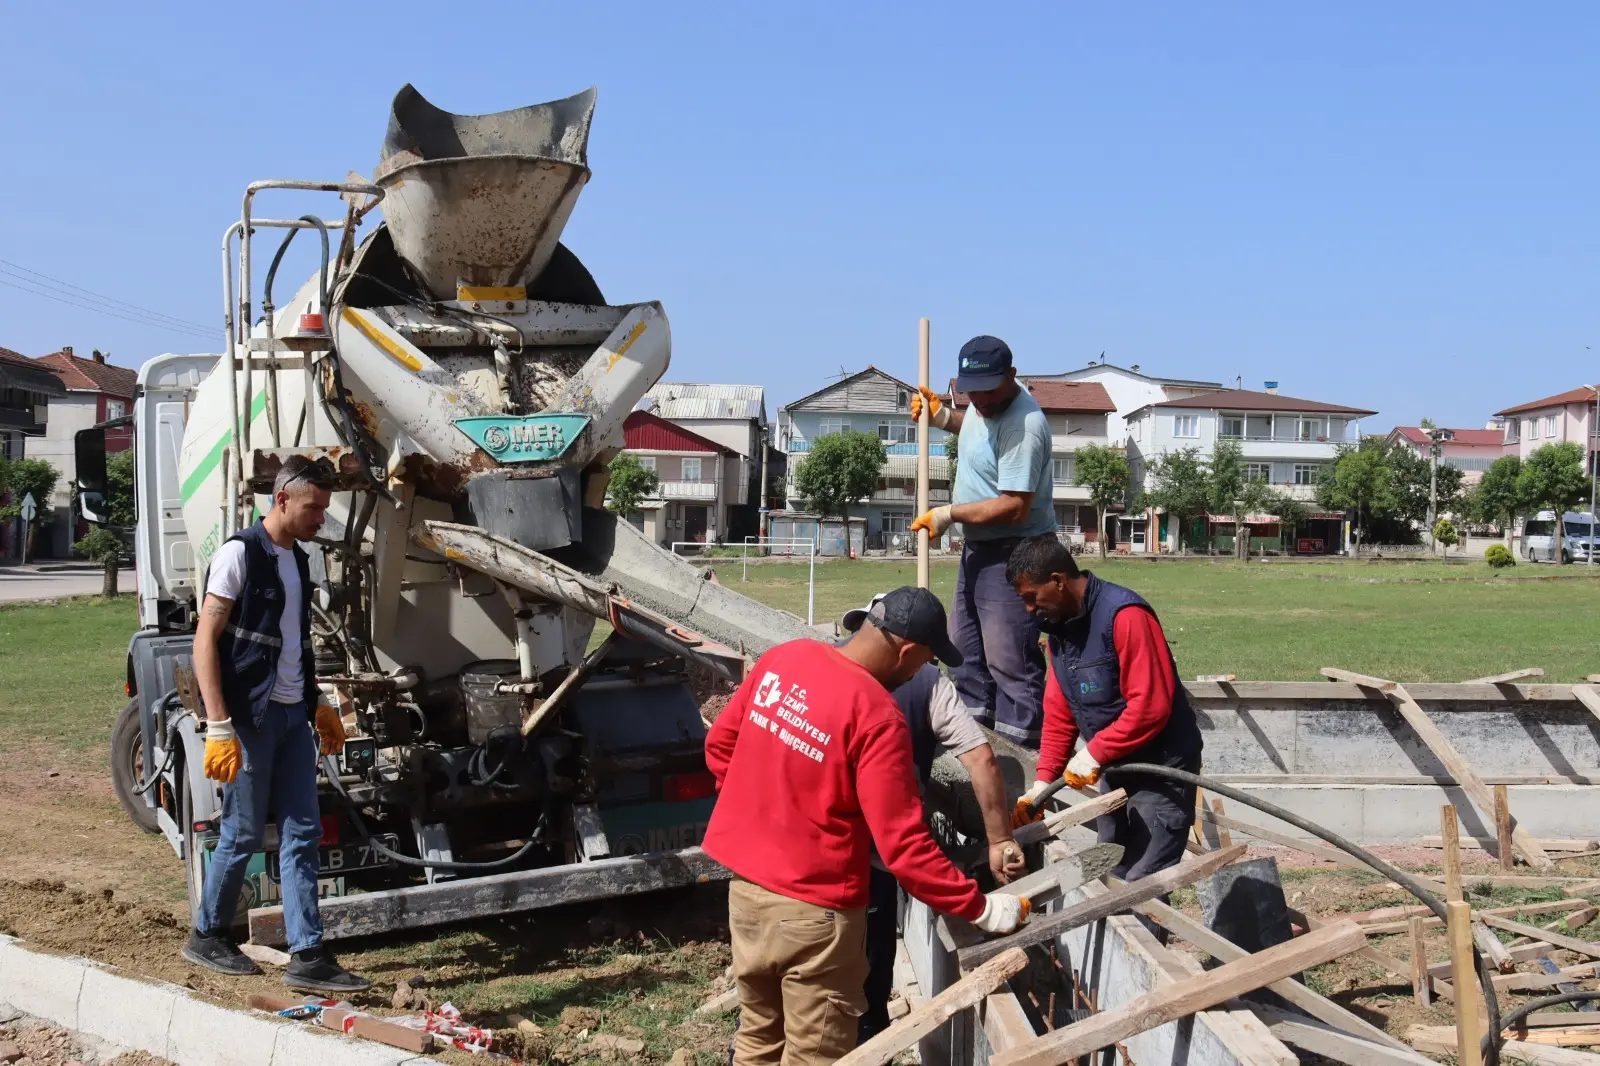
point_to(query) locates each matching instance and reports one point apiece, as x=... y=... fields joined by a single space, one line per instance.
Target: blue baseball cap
x=983 y=364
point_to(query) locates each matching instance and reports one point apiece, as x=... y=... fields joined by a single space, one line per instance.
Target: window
x=1258 y=471
x=902 y=400
x=897 y=432
x=115 y=409
x=1549 y=425
x=691 y=470
x=1061 y=469
x=896 y=521
x=832 y=424
x=10 y=445
x=1305 y=473
x=647 y=461
x=1232 y=426
x=1186 y=425
x=1461 y=463
x=1530 y=428
x=1313 y=428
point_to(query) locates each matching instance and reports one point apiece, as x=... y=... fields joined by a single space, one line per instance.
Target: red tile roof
x=1468 y=438
x=1058 y=396
x=1581 y=394
x=645 y=432
x=29 y=374
x=1250 y=400
x=91 y=375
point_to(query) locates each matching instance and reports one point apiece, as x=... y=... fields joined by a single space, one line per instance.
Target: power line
x=187 y=330
x=100 y=297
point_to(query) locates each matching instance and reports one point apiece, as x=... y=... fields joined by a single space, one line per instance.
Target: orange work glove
x=223 y=754
x=1028 y=808
x=330 y=730
x=935 y=522
x=938 y=413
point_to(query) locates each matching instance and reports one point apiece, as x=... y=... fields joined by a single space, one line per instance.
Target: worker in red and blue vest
x=1113 y=681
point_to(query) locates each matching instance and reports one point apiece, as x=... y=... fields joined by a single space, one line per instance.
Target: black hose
x=508 y=738
x=322 y=272
x=172 y=748
x=1497 y=1037
x=1398 y=876
x=332 y=773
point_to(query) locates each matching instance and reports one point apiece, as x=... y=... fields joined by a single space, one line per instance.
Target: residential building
x=699 y=480
x=26 y=389
x=1468 y=450
x=96 y=391
x=1130 y=390
x=870 y=401
x=1567 y=416
x=1079 y=413
x=734 y=416
x=1285 y=441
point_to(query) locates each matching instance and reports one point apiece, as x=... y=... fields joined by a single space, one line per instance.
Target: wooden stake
x=1183 y=998
x=1421 y=984
x=1225 y=837
x=1451 y=835
x=923 y=372
x=1490 y=945
x=1446 y=753
x=1547 y=936
x=1469 y=1027
x=967 y=992
x=1502 y=828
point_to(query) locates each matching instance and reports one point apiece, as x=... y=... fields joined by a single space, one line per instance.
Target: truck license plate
x=342 y=859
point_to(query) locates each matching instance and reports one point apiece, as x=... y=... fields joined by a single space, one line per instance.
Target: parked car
x=1539 y=537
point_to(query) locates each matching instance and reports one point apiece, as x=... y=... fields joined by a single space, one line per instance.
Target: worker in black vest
x=938 y=720
x=1114 y=682
x=265 y=727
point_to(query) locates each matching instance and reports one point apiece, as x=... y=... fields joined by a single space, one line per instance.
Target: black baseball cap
x=982 y=364
x=909 y=612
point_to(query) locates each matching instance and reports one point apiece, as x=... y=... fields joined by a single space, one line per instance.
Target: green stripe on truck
x=192 y=483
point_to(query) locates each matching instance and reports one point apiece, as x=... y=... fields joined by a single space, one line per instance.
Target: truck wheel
x=128 y=769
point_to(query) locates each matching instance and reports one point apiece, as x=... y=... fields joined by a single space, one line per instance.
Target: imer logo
x=525 y=438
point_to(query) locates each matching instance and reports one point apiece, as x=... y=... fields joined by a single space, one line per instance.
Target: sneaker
x=316 y=970
x=218 y=953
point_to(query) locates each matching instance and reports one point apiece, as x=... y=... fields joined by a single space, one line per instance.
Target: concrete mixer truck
x=463 y=374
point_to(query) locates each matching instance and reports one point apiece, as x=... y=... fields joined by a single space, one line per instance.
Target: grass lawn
x=62 y=669
x=1284 y=621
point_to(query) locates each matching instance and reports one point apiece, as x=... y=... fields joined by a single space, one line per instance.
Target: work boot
x=218 y=953
x=316 y=970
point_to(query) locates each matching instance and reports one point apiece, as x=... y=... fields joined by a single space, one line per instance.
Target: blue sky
x=1390 y=206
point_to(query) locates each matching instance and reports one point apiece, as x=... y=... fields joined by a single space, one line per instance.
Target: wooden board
x=1574 y=845
x=1184 y=998
x=1225 y=950
x=1492 y=948
x=1446 y=753
x=1548 y=936
x=1064 y=875
x=1421 y=986
x=1335 y=1045
x=1441 y=1040
x=965 y=993
x=1508 y=676
x=1049 y=926
x=1058 y=822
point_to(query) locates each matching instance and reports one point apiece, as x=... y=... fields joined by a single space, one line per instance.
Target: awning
x=906 y=466
x=1249 y=519
x=30 y=379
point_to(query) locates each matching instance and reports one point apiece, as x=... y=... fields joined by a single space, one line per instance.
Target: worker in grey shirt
x=937 y=719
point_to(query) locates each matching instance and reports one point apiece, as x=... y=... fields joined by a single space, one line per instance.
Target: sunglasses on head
x=316 y=470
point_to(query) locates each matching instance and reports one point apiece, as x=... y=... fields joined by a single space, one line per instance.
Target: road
x=24 y=583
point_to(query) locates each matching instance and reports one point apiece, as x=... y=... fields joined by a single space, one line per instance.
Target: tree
x=631 y=482
x=25 y=477
x=839 y=469
x=120 y=508
x=1444 y=531
x=1498 y=497
x=1102 y=470
x=1553 y=480
x=1180 y=489
x=1412 y=477
x=1359 y=482
x=952 y=453
x=106 y=548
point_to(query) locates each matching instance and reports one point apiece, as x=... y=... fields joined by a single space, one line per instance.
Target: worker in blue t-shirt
x=1002 y=495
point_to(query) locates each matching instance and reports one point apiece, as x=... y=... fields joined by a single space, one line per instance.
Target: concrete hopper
x=482 y=199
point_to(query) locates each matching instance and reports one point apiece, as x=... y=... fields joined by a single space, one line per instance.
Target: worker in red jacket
x=1113 y=680
x=813 y=764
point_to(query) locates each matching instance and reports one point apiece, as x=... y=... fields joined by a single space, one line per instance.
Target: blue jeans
x=279 y=774
x=1003 y=671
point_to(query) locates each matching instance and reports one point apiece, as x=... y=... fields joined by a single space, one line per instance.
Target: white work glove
x=1027 y=806
x=1002 y=913
x=1083 y=770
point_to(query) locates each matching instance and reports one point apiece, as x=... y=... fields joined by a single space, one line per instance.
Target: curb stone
x=165 y=1020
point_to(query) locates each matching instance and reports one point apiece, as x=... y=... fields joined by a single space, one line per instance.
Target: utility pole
x=1589 y=454
x=1438 y=438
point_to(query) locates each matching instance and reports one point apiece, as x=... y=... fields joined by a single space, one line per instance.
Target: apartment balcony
x=798 y=446
x=702 y=491
x=908 y=496
x=1069 y=493
x=1068 y=443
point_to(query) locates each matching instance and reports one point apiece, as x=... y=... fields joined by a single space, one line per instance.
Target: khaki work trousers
x=801 y=972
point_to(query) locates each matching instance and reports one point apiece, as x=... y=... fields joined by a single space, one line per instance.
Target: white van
x=1539 y=537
